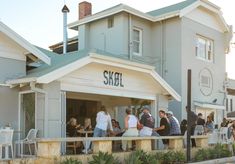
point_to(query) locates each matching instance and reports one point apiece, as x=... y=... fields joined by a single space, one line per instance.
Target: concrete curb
x=217 y=161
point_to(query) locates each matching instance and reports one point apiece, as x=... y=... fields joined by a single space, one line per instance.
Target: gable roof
x=179 y=9
x=171 y=8
x=24 y=43
x=62 y=65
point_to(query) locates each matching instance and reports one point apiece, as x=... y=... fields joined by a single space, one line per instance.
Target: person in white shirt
x=103 y=123
x=131 y=129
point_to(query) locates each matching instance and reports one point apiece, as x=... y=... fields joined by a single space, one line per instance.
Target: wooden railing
x=50 y=147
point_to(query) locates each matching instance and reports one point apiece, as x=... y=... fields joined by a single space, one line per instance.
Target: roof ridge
x=171 y=8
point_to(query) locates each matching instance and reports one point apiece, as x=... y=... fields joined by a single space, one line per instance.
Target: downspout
x=130 y=44
x=162 y=48
x=35 y=89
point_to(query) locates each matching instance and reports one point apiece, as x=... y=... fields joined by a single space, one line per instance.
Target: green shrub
x=71 y=161
x=103 y=158
x=172 y=157
x=218 y=151
x=141 y=157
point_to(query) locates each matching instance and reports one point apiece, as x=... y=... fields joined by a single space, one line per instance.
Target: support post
x=188 y=111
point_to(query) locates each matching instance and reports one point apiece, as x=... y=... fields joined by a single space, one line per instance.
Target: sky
x=40 y=21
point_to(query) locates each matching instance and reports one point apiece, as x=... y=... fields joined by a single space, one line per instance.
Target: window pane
x=201 y=48
x=136 y=35
x=136 y=46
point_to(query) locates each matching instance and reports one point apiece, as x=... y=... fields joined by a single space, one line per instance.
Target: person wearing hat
x=147 y=121
x=174 y=124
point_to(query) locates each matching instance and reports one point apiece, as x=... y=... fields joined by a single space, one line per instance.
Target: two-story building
x=125 y=58
x=188 y=35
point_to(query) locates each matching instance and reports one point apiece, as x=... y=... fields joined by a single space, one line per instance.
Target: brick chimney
x=84 y=9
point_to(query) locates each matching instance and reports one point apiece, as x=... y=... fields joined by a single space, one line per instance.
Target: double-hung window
x=137 y=41
x=204 y=48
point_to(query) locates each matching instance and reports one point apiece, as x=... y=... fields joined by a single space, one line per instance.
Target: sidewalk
x=228 y=160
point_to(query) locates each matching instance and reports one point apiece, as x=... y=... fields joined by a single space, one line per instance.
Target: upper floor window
x=137 y=41
x=204 y=48
x=110 y=22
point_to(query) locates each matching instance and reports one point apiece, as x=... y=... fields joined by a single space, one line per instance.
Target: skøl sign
x=113 y=78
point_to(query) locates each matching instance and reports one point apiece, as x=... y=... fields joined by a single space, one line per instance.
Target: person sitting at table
x=72 y=131
x=116 y=128
x=87 y=127
x=72 y=127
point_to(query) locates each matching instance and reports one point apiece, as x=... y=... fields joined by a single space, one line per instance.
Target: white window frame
x=209 y=49
x=140 y=41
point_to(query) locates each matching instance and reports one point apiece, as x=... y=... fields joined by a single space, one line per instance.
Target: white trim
x=96 y=58
x=120 y=8
x=24 y=43
x=22 y=80
x=140 y=41
x=107 y=91
x=166 y=86
x=188 y=9
x=56 y=74
x=4 y=85
x=120 y=61
x=209 y=6
x=109 y=12
x=208 y=105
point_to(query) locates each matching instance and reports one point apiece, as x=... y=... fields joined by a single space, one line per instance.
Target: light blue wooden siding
x=11 y=69
x=167 y=47
x=8 y=107
x=114 y=40
x=54 y=109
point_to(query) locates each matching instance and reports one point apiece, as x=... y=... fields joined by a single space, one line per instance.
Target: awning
x=209 y=105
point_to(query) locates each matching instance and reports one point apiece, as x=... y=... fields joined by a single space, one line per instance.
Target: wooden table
x=86 y=132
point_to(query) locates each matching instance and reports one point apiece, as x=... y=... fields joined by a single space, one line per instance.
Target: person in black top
x=183 y=126
x=200 y=120
x=192 y=124
x=148 y=121
x=72 y=127
x=164 y=129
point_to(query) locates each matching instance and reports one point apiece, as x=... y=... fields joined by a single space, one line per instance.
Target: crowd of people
x=144 y=126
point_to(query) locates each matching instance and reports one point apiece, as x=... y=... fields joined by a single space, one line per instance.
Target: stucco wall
x=189 y=61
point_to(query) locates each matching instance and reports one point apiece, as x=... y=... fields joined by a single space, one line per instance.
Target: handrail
x=73 y=139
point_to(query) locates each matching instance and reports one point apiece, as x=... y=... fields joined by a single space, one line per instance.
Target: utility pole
x=189 y=74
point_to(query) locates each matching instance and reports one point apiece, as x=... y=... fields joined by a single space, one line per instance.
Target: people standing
x=209 y=125
x=174 y=124
x=131 y=129
x=164 y=129
x=192 y=124
x=103 y=123
x=147 y=121
x=200 y=120
x=87 y=127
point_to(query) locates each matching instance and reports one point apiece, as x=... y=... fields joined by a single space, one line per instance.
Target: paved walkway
x=229 y=160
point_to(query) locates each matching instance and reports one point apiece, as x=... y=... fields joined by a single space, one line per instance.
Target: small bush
x=141 y=157
x=104 y=158
x=219 y=151
x=71 y=161
x=171 y=157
